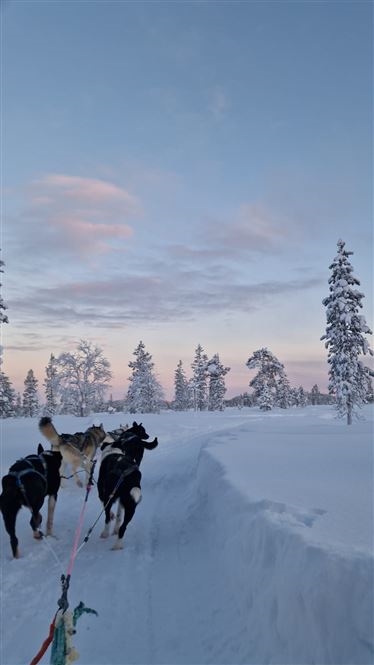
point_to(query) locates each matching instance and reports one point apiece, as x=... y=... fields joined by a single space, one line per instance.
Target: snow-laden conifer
x=7 y=397
x=3 y=307
x=30 y=401
x=265 y=399
x=299 y=396
x=349 y=379
x=283 y=392
x=217 y=387
x=315 y=395
x=181 y=389
x=3 y=319
x=145 y=394
x=199 y=379
x=267 y=381
x=52 y=387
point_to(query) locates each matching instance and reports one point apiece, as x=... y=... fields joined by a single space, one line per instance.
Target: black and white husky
x=120 y=477
x=27 y=483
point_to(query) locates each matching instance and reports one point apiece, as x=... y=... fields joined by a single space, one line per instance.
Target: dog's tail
x=47 y=428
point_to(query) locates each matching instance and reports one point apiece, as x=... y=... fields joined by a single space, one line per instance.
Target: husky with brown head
x=77 y=449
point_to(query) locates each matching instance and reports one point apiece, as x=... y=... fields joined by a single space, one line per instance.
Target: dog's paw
x=118 y=545
x=37 y=535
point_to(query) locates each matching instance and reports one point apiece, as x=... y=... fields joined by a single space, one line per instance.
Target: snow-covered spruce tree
x=30 y=402
x=268 y=378
x=199 y=380
x=7 y=397
x=18 y=411
x=315 y=395
x=181 y=389
x=3 y=307
x=4 y=382
x=349 y=379
x=284 y=392
x=83 y=378
x=145 y=394
x=300 y=398
x=51 y=385
x=265 y=399
x=217 y=387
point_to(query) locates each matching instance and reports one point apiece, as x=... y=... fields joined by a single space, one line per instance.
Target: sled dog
x=27 y=483
x=119 y=477
x=77 y=449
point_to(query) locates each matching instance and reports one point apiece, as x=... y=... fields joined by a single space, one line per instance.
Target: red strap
x=45 y=644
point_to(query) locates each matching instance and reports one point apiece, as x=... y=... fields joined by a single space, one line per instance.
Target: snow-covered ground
x=253 y=544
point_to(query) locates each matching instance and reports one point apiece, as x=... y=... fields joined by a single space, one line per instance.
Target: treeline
x=77 y=383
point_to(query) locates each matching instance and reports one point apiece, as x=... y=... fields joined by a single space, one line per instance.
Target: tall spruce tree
x=145 y=394
x=217 y=388
x=18 y=405
x=51 y=386
x=345 y=339
x=30 y=402
x=7 y=397
x=199 y=379
x=283 y=392
x=315 y=395
x=181 y=389
x=3 y=307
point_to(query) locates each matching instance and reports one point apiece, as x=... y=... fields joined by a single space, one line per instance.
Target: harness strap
x=31 y=469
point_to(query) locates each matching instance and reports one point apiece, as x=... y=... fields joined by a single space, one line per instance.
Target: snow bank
x=283 y=599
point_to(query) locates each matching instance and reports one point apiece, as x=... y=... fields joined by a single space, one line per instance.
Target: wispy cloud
x=149 y=298
x=88 y=190
x=74 y=216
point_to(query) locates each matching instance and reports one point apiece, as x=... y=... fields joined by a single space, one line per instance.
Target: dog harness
x=30 y=469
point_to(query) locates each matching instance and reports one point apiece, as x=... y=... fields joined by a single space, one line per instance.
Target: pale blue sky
x=180 y=172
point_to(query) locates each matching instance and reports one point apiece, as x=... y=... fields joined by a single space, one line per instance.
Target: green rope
x=63 y=652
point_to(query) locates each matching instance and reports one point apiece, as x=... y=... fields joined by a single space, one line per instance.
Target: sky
x=179 y=173
x=229 y=559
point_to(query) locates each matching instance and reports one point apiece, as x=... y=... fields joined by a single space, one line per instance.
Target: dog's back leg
x=35 y=522
x=63 y=472
x=9 y=516
x=105 y=532
x=130 y=506
x=51 y=511
x=118 y=518
x=75 y=464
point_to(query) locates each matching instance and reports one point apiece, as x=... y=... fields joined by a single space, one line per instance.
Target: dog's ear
x=40 y=449
x=135 y=424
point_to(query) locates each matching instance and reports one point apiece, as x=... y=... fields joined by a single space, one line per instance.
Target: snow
x=253 y=544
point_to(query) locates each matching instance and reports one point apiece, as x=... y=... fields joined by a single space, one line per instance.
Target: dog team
x=33 y=478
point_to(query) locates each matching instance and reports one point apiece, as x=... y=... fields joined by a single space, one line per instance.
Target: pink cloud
x=89 y=190
x=77 y=215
